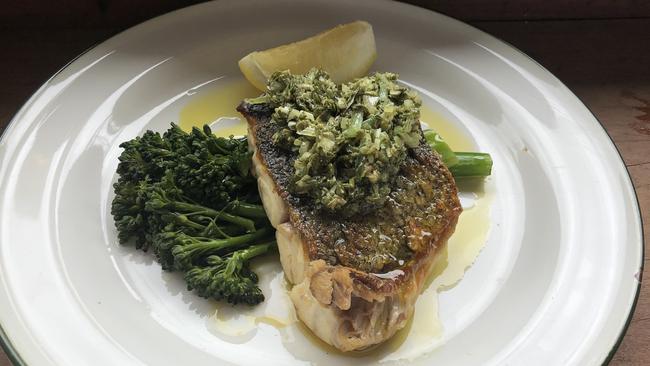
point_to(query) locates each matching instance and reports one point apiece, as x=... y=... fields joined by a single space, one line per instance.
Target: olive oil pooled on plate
x=218 y=105
x=423 y=333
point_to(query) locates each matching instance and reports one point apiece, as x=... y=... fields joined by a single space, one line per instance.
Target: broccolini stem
x=243 y=255
x=184 y=220
x=472 y=164
x=197 y=209
x=247 y=224
x=248 y=210
x=241 y=239
x=438 y=144
x=257 y=249
x=186 y=255
x=461 y=164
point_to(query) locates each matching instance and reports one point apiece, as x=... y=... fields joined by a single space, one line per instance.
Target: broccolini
x=190 y=198
x=229 y=277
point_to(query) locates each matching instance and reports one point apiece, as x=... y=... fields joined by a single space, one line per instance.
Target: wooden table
x=605 y=62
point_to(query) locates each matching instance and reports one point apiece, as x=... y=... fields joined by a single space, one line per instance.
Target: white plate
x=555 y=284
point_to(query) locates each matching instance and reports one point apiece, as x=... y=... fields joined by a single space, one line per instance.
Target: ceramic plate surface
x=554 y=285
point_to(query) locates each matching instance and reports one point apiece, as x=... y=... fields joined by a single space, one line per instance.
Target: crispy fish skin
x=355 y=279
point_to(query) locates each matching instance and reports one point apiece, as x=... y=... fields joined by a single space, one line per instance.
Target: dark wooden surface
x=120 y=13
x=605 y=61
x=506 y=10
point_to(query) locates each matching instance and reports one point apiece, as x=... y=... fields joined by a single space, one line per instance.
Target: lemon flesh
x=346 y=52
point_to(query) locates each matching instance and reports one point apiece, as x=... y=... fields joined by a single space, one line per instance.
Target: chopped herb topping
x=349 y=140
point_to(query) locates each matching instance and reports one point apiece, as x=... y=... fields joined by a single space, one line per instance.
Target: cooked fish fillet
x=355 y=280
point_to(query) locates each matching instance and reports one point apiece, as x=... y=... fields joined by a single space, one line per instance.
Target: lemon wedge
x=346 y=52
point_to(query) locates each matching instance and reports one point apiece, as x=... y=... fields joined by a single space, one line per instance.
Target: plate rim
x=5 y=343
x=639 y=216
x=16 y=359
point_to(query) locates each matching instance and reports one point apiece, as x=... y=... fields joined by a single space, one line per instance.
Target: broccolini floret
x=208 y=169
x=229 y=277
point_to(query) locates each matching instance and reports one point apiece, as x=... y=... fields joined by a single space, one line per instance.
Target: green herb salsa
x=348 y=140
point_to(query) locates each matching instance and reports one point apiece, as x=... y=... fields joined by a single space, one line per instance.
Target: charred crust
x=436 y=198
